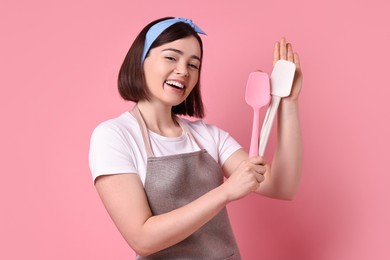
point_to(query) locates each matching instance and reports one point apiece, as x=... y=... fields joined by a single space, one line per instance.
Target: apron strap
x=144 y=130
x=187 y=131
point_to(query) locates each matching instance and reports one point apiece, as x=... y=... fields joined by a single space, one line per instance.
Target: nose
x=181 y=69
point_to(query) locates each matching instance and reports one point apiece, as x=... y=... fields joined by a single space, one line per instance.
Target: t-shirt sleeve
x=108 y=152
x=226 y=144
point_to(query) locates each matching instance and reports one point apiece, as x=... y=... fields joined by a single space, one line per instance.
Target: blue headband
x=158 y=28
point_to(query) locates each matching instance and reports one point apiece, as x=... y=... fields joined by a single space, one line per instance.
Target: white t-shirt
x=117 y=145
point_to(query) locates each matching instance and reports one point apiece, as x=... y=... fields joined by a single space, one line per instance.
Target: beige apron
x=174 y=181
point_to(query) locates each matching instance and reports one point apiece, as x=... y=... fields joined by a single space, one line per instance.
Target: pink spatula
x=282 y=77
x=257 y=95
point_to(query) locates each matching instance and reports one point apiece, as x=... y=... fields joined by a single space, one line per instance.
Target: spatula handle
x=267 y=124
x=254 y=146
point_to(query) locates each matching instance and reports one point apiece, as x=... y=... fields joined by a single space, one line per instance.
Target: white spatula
x=282 y=78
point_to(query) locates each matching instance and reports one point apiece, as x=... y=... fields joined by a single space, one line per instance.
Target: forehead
x=189 y=46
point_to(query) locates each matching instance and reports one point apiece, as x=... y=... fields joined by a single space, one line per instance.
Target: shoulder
x=120 y=133
x=115 y=147
x=116 y=127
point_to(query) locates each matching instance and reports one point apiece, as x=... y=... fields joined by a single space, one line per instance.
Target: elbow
x=144 y=242
x=285 y=194
x=139 y=250
x=288 y=195
x=141 y=247
x=142 y=252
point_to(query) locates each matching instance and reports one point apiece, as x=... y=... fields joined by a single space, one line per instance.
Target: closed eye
x=193 y=66
x=170 y=58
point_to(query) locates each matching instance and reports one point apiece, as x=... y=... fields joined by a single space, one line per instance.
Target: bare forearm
x=286 y=165
x=125 y=200
x=162 y=231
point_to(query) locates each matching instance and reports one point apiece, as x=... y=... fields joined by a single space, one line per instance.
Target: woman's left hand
x=284 y=51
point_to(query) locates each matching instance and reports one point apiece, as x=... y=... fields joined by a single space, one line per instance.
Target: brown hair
x=131 y=78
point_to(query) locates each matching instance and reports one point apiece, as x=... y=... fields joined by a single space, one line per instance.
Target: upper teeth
x=175 y=83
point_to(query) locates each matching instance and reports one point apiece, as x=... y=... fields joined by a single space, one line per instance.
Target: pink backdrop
x=58 y=66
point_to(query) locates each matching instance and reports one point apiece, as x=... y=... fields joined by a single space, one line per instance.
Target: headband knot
x=158 y=28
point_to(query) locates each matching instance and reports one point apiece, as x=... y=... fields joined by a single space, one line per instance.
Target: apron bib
x=175 y=180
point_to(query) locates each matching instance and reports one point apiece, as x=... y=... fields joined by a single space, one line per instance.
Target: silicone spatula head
x=257 y=92
x=257 y=95
x=282 y=78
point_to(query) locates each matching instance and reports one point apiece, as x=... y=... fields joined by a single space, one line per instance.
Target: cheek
x=195 y=79
x=148 y=80
x=152 y=77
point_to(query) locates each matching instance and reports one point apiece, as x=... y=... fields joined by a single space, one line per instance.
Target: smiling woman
x=160 y=176
x=132 y=83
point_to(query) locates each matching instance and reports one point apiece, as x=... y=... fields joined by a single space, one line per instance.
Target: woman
x=160 y=176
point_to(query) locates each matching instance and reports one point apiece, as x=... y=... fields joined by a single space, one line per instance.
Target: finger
x=259 y=178
x=258 y=160
x=297 y=61
x=290 y=53
x=260 y=169
x=276 y=53
x=283 y=49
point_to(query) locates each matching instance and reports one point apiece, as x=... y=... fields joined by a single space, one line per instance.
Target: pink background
x=58 y=66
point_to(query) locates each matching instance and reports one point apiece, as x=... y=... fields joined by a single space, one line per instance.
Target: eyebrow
x=181 y=53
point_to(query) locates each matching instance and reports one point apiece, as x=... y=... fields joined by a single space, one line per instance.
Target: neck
x=159 y=119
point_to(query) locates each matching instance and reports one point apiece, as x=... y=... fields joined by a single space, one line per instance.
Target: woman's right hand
x=245 y=179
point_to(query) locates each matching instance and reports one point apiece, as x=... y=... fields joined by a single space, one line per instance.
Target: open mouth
x=174 y=84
